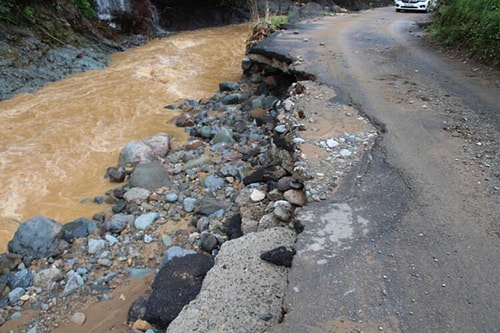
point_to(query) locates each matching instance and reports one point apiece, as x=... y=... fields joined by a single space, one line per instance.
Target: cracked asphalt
x=410 y=240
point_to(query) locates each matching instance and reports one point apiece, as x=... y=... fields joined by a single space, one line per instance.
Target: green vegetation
x=276 y=21
x=10 y=8
x=472 y=25
x=85 y=8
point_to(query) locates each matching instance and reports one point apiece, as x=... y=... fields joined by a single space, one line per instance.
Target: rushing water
x=56 y=144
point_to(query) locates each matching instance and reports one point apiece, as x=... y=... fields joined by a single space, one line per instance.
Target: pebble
x=331 y=143
x=345 y=152
x=145 y=220
x=141 y=325
x=78 y=318
x=257 y=195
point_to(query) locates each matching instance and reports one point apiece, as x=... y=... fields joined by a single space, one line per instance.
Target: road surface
x=410 y=242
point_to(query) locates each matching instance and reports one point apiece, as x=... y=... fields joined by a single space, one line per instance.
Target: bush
x=474 y=25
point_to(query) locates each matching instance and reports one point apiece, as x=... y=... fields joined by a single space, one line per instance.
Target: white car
x=419 y=5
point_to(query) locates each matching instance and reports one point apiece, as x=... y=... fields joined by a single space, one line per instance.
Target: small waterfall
x=105 y=8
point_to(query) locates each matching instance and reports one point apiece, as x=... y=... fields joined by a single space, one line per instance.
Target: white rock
x=257 y=195
x=78 y=318
x=332 y=143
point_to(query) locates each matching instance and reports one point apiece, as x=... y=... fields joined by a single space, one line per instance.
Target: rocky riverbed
x=220 y=205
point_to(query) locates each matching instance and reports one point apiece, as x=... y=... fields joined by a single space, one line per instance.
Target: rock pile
x=228 y=194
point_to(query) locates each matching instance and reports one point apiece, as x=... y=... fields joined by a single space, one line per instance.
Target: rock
x=283 y=210
x=281 y=129
x=78 y=318
x=78 y=228
x=74 y=282
x=200 y=161
x=239 y=288
x=331 y=143
x=95 y=245
x=214 y=183
x=231 y=99
x=225 y=135
x=149 y=150
x=20 y=279
x=228 y=86
x=268 y=221
x=189 y=204
x=137 y=309
x=8 y=262
x=172 y=197
x=38 y=237
x=208 y=242
x=15 y=295
x=175 y=285
x=116 y=175
x=112 y=240
x=295 y=197
x=280 y=256
x=255 y=177
x=47 y=276
x=174 y=252
x=233 y=226
x=145 y=220
x=149 y=176
x=141 y=325
x=118 y=222
x=136 y=195
x=257 y=195
x=207 y=206
x=249 y=225
x=203 y=223
x=345 y=152
x=284 y=183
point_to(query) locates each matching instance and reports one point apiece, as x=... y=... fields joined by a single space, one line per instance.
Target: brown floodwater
x=56 y=144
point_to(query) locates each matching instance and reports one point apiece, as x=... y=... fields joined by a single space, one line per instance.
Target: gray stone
x=295 y=197
x=207 y=206
x=208 y=242
x=15 y=295
x=118 y=222
x=74 y=282
x=283 y=210
x=136 y=195
x=112 y=240
x=213 y=183
x=194 y=163
x=174 y=252
x=229 y=86
x=231 y=99
x=78 y=228
x=268 y=221
x=46 y=276
x=20 y=279
x=145 y=220
x=172 y=197
x=38 y=237
x=189 y=204
x=149 y=176
x=95 y=245
x=239 y=287
x=225 y=135
x=149 y=150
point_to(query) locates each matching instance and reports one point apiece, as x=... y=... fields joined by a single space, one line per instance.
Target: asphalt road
x=410 y=242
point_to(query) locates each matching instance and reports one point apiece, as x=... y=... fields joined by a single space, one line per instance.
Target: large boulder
x=38 y=237
x=152 y=149
x=176 y=284
x=242 y=292
x=149 y=176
